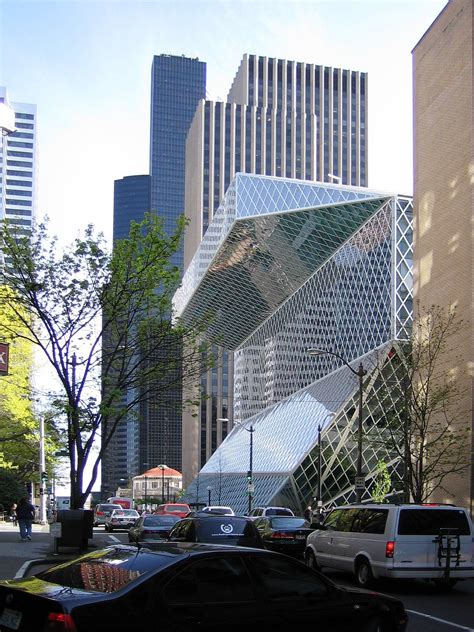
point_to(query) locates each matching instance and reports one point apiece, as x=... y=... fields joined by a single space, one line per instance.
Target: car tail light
x=60 y=622
x=100 y=513
x=389 y=548
x=282 y=535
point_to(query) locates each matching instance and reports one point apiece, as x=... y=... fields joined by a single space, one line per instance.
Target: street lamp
x=162 y=468
x=250 y=486
x=145 y=465
x=209 y=490
x=360 y=373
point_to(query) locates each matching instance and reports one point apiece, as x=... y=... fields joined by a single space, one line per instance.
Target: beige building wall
x=443 y=196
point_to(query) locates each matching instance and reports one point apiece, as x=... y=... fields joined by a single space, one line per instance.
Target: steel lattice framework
x=287 y=265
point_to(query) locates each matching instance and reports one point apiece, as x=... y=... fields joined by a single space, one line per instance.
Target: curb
x=25 y=567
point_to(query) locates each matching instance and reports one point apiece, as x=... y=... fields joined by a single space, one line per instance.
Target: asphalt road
x=429 y=610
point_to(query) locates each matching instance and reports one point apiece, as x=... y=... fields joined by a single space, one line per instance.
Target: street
x=429 y=610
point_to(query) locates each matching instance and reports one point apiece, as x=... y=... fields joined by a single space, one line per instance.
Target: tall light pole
x=162 y=468
x=360 y=373
x=250 y=485
x=209 y=491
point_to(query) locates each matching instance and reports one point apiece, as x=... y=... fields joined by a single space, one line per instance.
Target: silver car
x=121 y=519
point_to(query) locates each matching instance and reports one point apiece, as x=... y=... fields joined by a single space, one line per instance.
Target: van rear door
x=417 y=537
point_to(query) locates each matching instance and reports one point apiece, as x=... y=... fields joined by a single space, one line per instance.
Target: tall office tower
x=18 y=162
x=282 y=118
x=178 y=83
x=121 y=460
x=443 y=238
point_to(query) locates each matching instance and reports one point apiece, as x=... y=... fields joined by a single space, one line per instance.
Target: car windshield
x=160 y=521
x=429 y=521
x=130 y=512
x=221 y=511
x=279 y=511
x=288 y=523
x=108 y=507
x=106 y=570
x=176 y=508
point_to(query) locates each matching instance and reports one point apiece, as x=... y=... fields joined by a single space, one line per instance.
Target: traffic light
x=249 y=476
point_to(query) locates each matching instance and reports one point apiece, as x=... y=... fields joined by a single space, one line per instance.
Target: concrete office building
x=287 y=265
x=443 y=199
x=18 y=166
x=281 y=118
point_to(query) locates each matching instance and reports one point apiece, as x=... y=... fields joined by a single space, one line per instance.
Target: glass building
x=288 y=265
x=281 y=118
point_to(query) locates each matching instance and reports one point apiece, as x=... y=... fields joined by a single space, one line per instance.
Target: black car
x=285 y=534
x=212 y=529
x=151 y=527
x=177 y=587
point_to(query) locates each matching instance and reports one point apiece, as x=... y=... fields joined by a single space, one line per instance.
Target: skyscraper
x=177 y=85
x=18 y=163
x=282 y=118
x=121 y=459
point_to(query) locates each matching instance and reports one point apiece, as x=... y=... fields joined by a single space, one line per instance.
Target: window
x=370 y=521
x=282 y=578
x=430 y=521
x=222 y=580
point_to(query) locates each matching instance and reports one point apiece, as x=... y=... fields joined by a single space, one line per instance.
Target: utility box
x=76 y=527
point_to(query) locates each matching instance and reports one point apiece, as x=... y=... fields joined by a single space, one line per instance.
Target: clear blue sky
x=87 y=67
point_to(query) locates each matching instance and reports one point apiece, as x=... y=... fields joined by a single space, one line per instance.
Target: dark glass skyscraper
x=121 y=459
x=177 y=85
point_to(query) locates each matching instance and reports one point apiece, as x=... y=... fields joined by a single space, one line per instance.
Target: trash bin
x=76 y=527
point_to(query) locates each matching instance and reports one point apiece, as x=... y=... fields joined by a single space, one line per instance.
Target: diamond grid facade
x=287 y=266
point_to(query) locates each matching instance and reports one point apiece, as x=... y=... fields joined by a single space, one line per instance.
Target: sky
x=87 y=67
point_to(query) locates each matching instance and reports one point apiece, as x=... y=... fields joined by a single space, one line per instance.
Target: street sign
x=250 y=488
x=4 y=348
x=360 y=482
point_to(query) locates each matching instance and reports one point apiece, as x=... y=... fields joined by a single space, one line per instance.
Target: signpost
x=360 y=482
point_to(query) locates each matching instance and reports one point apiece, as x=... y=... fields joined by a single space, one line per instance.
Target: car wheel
x=311 y=560
x=364 y=574
x=374 y=625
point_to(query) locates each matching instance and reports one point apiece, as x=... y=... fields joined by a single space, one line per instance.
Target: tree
x=102 y=320
x=423 y=423
x=382 y=483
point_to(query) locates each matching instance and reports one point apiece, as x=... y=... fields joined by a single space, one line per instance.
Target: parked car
x=285 y=534
x=236 y=530
x=217 y=509
x=190 y=587
x=396 y=541
x=150 y=527
x=258 y=512
x=102 y=511
x=121 y=519
x=177 y=509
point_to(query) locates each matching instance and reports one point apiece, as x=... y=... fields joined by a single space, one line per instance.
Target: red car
x=175 y=509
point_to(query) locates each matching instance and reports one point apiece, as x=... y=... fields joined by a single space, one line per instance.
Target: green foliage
x=11 y=488
x=103 y=321
x=382 y=484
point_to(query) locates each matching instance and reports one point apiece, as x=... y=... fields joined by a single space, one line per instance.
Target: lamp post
x=145 y=465
x=360 y=373
x=250 y=486
x=209 y=491
x=162 y=468
x=319 y=499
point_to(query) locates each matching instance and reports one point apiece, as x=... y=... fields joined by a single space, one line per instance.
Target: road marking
x=114 y=539
x=454 y=625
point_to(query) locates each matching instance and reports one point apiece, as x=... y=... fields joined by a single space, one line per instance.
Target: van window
x=370 y=521
x=430 y=521
x=332 y=520
x=346 y=519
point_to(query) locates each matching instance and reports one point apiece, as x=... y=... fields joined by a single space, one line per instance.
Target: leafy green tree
x=382 y=484
x=102 y=320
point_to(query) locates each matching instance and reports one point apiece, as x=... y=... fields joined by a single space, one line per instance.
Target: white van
x=397 y=541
